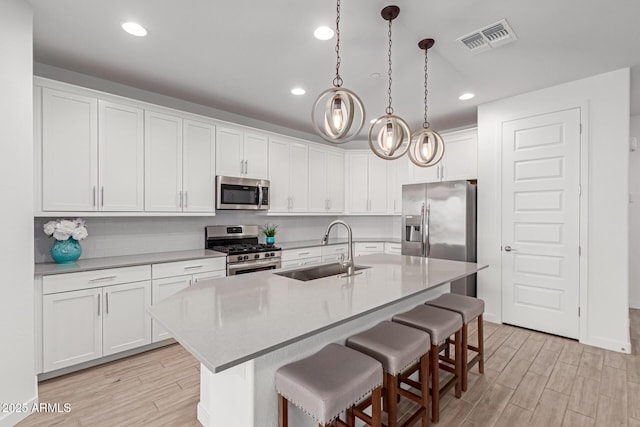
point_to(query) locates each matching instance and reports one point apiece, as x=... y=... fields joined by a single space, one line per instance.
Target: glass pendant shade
x=338 y=115
x=427 y=147
x=389 y=137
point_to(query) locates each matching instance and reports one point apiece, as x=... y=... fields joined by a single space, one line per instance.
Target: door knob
x=508 y=248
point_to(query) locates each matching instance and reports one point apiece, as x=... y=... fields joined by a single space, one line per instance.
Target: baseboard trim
x=203 y=415
x=607 y=344
x=490 y=317
x=12 y=418
x=634 y=303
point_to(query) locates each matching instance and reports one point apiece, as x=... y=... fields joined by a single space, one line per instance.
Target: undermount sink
x=318 y=272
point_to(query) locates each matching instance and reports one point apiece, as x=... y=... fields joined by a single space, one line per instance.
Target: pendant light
x=427 y=146
x=338 y=113
x=389 y=135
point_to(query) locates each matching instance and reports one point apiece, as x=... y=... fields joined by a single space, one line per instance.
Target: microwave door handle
x=260 y=195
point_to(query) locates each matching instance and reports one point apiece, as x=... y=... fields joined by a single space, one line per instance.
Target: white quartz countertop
x=333 y=241
x=48 y=268
x=227 y=321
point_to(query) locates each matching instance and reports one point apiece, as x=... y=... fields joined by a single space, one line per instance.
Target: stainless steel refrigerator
x=439 y=221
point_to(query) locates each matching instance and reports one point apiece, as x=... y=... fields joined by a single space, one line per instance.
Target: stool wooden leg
x=465 y=356
x=458 y=365
x=283 y=411
x=435 y=386
x=392 y=399
x=376 y=407
x=351 y=418
x=424 y=388
x=481 y=344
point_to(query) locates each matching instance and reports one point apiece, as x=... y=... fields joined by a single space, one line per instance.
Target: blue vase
x=270 y=240
x=64 y=251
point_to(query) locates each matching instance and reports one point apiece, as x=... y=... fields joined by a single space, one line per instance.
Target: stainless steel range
x=244 y=253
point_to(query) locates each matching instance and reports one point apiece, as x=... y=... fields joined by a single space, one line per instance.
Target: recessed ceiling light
x=134 y=29
x=375 y=75
x=466 y=96
x=323 y=33
x=298 y=91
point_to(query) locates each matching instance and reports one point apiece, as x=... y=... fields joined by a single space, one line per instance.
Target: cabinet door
x=229 y=146
x=208 y=275
x=125 y=322
x=255 y=156
x=299 y=177
x=429 y=174
x=377 y=184
x=198 y=174
x=69 y=151
x=71 y=328
x=460 y=160
x=335 y=181
x=279 y=164
x=163 y=162
x=358 y=183
x=397 y=175
x=161 y=289
x=318 y=200
x=120 y=157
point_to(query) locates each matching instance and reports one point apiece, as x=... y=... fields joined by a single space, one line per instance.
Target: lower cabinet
x=87 y=324
x=334 y=252
x=368 y=248
x=392 y=248
x=301 y=257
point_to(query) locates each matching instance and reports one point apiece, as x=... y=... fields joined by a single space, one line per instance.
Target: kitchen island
x=243 y=328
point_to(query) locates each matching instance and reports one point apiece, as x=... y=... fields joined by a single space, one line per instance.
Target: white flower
x=50 y=227
x=80 y=233
x=59 y=235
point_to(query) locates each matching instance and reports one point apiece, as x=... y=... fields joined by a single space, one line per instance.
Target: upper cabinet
x=90 y=167
x=240 y=153
x=460 y=160
x=397 y=176
x=179 y=156
x=326 y=180
x=288 y=175
x=367 y=175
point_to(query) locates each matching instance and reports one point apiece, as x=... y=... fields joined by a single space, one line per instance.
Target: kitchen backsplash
x=135 y=235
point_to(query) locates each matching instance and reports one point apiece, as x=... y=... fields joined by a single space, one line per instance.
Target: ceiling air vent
x=489 y=37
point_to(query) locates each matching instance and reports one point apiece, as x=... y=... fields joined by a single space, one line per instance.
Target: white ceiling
x=244 y=56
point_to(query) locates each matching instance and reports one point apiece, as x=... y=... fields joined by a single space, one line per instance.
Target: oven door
x=252 y=266
x=242 y=193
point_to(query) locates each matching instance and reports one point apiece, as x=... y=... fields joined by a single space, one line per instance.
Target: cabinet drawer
x=301 y=253
x=330 y=250
x=170 y=269
x=94 y=279
x=392 y=248
x=369 y=247
x=301 y=262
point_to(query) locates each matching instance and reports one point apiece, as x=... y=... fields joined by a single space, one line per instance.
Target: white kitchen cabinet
x=288 y=175
x=368 y=248
x=326 y=180
x=367 y=184
x=163 y=162
x=69 y=151
x=301 y=257
x=460 y=160
x=83 y=325
x=398 y=175
x=392 y=248
x=240 y=153
x=92 y=154
x=171 y=277
x=334 y=252
x=198 y=173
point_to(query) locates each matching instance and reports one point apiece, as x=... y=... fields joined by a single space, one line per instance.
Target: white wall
x=604 y=292
x=17 y=368
x=634 y=218
x=127 y=236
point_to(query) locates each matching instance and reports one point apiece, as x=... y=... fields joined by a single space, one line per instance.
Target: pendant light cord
x=389 y=109
x=337 y=82
x=426 y=124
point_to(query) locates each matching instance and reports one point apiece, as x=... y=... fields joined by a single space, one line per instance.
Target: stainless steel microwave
x=241 y=193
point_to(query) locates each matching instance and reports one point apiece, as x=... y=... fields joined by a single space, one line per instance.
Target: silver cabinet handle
x=303 y=253
x=509 y=248
x=193 y=267
x=442 y=171
x=180 y=199
x=329 y=204
x=185 y=200
x=246 y=167
x=106 y=301
x=94 y=196
x=98 y=304
x=102 y=196
x=102 y=278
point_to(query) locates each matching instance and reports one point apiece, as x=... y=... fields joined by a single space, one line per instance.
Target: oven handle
x=253 y=264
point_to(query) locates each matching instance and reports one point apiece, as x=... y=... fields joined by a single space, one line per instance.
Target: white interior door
x=540 y=222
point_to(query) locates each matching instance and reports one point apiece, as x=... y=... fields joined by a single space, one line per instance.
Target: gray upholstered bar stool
x=398 y=347
x=328 y=382
x=469 y=308
x=440 y=324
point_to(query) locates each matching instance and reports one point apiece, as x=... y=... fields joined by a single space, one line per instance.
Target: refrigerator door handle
x=424 y=230
x=427 y=232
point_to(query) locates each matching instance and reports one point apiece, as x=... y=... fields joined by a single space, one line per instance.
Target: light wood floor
x=531 y=379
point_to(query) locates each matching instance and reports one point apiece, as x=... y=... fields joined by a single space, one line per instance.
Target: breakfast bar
x=243 y=328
